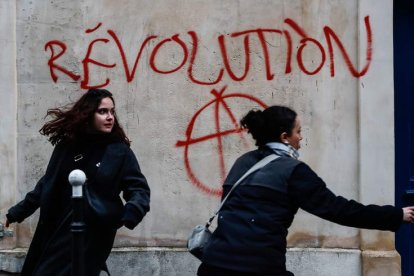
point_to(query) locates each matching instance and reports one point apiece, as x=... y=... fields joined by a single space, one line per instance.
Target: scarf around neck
x=283 y=149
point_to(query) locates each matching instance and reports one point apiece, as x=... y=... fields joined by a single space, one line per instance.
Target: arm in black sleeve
x=136 y=192
x=28 y=205
x=310 y=193
x=31 y=202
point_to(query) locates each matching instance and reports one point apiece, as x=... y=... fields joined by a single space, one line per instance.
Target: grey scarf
x=283 y=149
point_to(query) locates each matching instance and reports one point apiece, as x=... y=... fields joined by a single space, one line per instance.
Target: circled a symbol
x=219 y=103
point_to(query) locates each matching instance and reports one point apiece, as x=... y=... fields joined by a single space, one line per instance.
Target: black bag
x=198 y=240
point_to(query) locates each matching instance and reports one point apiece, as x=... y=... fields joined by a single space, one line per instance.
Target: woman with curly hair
x=86 y=136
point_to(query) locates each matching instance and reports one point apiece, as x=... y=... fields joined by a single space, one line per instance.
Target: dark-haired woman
x=253 y=223
x=86 y=136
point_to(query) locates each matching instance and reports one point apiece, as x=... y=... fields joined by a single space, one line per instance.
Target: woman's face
x=294 y=138
x=103 y=119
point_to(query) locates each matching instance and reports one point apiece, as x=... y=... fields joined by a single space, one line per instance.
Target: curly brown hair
x=69 y=122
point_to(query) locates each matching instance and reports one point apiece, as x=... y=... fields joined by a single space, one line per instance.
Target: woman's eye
x=104 y=111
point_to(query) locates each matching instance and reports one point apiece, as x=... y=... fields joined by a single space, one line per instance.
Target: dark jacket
x=254 y=221
x=117 y=171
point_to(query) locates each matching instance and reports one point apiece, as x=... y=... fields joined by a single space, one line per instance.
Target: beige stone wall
x=165 y=61
x=8 y=110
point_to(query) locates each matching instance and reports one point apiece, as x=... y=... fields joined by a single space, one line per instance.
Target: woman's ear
x=283 y=138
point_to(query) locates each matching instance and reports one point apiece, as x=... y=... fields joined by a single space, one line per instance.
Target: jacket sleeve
x=310 y=193
x=136 y=191
x=31 y=202
x=28 y=205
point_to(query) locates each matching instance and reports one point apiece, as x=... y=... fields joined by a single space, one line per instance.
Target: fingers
x=408 y=214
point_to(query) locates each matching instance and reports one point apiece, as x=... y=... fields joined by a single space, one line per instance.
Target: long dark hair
x=69 y=122
x=266 y=126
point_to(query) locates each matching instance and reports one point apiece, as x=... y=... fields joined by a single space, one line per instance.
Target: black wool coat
x=118 y=171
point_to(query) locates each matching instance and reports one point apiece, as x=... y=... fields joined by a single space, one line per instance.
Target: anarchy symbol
x=220 y=102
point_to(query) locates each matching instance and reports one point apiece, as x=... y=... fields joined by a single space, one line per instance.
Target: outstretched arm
x=310 y=193
x=31 y=202
x=27 y=206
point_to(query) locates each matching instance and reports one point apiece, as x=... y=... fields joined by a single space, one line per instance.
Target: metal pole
x=77 y=178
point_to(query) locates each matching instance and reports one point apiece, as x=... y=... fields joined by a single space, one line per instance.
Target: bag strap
x=263 y=162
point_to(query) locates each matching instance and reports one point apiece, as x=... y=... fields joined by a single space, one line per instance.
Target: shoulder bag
x=200 y=235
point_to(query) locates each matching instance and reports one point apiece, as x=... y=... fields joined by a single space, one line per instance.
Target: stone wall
x=183 y=73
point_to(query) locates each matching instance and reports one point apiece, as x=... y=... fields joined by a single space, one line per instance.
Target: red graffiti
x=220 y=102
x=129 y=75
x=330 y=33
x=192 y=60
x=93 y=29
x=226 y=59
x=155 y=51
x=87 y=60
x=52 y=66
x=299 y=56
x=190 y=53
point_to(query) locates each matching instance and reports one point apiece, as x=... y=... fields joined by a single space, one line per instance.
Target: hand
x=7 y=223
x=408 y=214
x=132 y=216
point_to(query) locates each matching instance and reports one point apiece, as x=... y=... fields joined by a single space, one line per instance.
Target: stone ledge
x=12 y=260
x=381 y=263
x=173 y=261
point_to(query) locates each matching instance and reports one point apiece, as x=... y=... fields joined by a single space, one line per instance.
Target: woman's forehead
x=106 y=102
